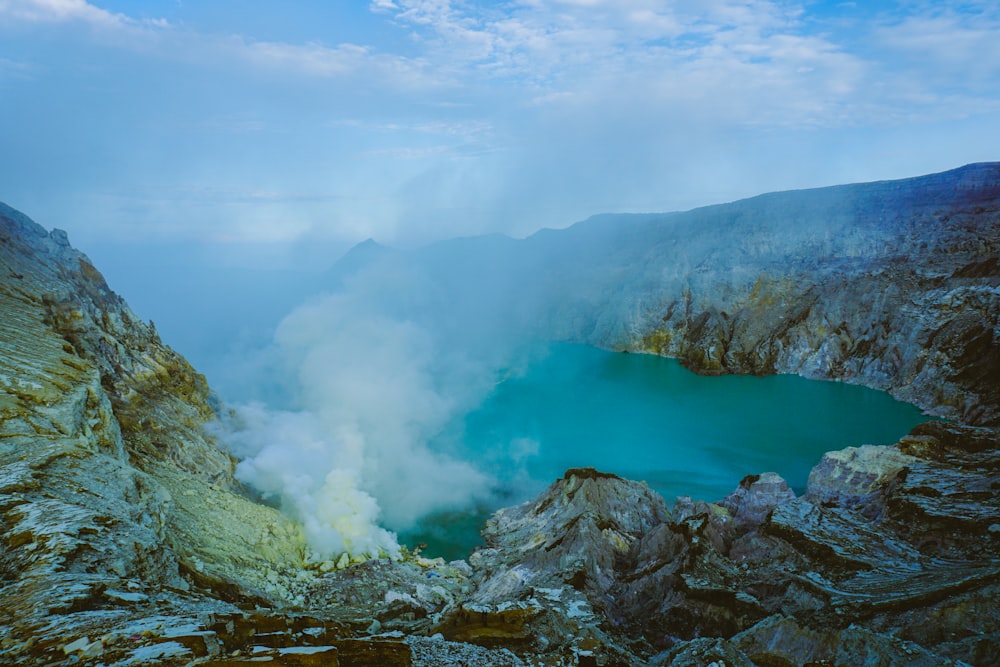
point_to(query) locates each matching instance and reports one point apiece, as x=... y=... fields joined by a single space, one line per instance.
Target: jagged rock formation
x=898 y=288
x=873 y=575
x=894 y=285
x=125 y=539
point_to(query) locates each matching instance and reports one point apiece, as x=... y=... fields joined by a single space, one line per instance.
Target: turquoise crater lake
x=648 y=418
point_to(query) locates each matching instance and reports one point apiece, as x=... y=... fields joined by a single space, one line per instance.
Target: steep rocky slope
x=110 y=485
x=126 y=540
x=894 y=285
x=898 y=288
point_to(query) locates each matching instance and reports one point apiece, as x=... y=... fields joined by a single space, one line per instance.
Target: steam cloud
x=377 y=377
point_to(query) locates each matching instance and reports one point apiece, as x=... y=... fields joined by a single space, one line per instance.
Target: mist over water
x=394 y=433
x=371 y=372
x=420 y=390
x=647 y=418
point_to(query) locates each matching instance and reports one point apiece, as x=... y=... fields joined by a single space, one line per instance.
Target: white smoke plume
x=376 y=381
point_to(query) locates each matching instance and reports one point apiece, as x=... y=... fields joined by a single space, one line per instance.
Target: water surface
x=648 y=418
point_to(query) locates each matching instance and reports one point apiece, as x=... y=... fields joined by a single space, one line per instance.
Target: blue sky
x=279 y=128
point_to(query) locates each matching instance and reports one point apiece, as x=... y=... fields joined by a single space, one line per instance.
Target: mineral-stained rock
x=690 y=572
x=542 y=582
x=893 y=285
x=437 y=652
x=571 y=537
x=756 y=497
x=837 y=537
x=348 y=653
x=950 y=493
x=109 y=483
x=857 y=478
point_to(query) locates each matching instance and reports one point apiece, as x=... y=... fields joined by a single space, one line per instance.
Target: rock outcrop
x=126 y=540
x=862 y=577
x=894 y=285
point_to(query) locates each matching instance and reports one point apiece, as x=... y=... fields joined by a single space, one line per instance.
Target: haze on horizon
x=190 y=147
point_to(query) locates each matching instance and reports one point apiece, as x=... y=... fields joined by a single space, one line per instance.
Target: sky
x=253 y=122
x=173 y=138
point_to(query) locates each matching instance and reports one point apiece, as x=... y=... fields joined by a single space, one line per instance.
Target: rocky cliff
x=898 y=288
x=893 y=285
x=126 y=540
x=112 y=496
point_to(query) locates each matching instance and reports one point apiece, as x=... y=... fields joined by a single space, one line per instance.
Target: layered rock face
x=110 y=488
x=125 y=539
x=893 y=285
x=882 y=561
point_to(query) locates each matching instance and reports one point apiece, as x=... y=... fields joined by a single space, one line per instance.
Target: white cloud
x=957 y=48
x=56 y=11
x=784 y=69
x=466 y=115
x=174 y=42
x=15 y=69
x=310 y=58
x=669 y=54
x=752 y=62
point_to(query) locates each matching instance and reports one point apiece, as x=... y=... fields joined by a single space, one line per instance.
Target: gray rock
x=703 y=653
x=783 y=639
x=857 y=478
x=756 y=497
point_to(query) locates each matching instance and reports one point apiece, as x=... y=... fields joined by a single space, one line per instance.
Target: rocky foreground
x=125 y=539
